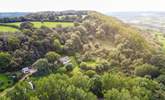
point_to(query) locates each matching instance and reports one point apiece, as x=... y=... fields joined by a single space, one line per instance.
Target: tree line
x=63 y=16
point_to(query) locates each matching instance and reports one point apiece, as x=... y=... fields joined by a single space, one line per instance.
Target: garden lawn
x=5 y=82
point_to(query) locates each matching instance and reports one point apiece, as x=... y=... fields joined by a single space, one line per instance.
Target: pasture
x=48 y=24
x=7 y=29
x=36 y=25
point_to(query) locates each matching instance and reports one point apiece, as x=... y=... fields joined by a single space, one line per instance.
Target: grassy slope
x=36 y=24
x=126 y=31
x=7 y=29
x=76 y=69
x=48 y=24
x=5 y=80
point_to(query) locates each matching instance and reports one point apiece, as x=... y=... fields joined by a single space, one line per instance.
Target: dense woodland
x=109 y=60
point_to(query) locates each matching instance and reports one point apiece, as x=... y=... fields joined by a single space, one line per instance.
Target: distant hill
x=131 y=14
x=67 y=16
x=144 y=20
x=12 y=14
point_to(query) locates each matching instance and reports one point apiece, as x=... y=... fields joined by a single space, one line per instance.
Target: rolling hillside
x=96 y=57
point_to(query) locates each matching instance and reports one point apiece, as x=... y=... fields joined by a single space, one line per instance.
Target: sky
x=98 y=5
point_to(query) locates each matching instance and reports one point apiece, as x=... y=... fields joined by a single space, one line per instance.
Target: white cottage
x=25 y=70
x=64 y=60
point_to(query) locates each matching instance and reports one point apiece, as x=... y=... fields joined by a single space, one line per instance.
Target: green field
x=4 y=82
x=48 y=24
x=7 y=29
x=36 y=24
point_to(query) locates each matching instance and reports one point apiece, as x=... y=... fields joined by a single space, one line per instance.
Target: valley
x=81 y=55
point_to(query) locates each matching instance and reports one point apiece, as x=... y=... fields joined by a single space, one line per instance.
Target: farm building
x=64 y=60
x=26 y=70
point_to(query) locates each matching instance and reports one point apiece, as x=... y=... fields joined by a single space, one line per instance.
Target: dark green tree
x=5 y=59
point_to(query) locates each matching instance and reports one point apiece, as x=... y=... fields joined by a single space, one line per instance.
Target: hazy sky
x=99 y=5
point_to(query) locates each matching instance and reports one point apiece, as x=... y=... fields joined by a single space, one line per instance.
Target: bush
x=80 y=81
x=96 y=86
x=114 y=94
x=83 y=65
x=52 y=56
x=1 y=83
x=1 y=89
x=57 y=45
x=147 y=69
x=61 y=70
x=99 y=68
x=42 y=66
x=69 y=67
x=90 y=73
x=161 y=79
x=76 y=24
x=27 y=32
x=26 y=25
x=13 y=43
x=158 y=60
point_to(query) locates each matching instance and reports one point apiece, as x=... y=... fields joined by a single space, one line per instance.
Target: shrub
x=13 y=42
x=69 y=67
x=52 y=56
x=158 y=60
x=114 y=94
x=27 y=32
x=83 y=65
x=61 y=70
x=57 y=45
x=90 y=73
x=1 y=83
x=26 y=25
x=161 y=79
x=42 y=66
x=96 y=86
x=147 y=69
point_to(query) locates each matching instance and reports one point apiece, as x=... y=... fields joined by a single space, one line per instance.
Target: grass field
x=7 y=29
x=36 y=24
x=4 y=82
x=48 y=24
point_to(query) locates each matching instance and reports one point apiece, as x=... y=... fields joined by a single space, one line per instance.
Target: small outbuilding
x=26 y=70
x=64 y=60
